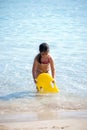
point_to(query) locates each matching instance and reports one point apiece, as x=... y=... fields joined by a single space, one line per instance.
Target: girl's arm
x=52 y=67
x=34 y=69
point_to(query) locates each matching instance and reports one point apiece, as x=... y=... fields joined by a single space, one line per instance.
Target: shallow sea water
x=26 y=24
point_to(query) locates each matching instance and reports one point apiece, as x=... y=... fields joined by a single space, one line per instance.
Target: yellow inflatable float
x=45 y=84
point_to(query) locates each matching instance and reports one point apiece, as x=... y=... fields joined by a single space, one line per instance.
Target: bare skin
x=46 y=65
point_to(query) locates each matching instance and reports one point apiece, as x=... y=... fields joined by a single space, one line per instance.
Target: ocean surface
x=24 y=24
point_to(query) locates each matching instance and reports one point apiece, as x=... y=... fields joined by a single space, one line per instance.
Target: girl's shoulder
x=38 y=57
x=49 y=56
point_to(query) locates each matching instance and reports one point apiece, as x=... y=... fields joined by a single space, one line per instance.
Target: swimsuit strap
x=46 y=62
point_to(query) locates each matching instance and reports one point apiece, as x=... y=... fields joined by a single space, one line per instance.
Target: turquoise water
x=27 y=23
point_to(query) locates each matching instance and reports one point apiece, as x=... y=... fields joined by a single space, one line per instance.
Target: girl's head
x=44 y=50
x=44 y=47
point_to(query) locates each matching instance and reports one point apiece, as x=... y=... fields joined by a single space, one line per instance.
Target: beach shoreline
x=65 y=119
x=66 y=124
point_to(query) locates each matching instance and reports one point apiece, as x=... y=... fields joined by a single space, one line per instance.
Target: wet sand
x=66 y=124
x=41 y=115
x=63 y=119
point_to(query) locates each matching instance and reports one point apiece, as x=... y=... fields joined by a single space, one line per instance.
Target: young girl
x=43 y=62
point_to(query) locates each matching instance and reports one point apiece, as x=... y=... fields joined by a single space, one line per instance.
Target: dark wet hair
x=44 y=47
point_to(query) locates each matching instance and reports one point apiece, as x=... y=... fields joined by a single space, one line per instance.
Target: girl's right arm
x=34 y=69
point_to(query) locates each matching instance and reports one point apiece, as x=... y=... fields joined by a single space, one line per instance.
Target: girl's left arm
x=52 y=67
